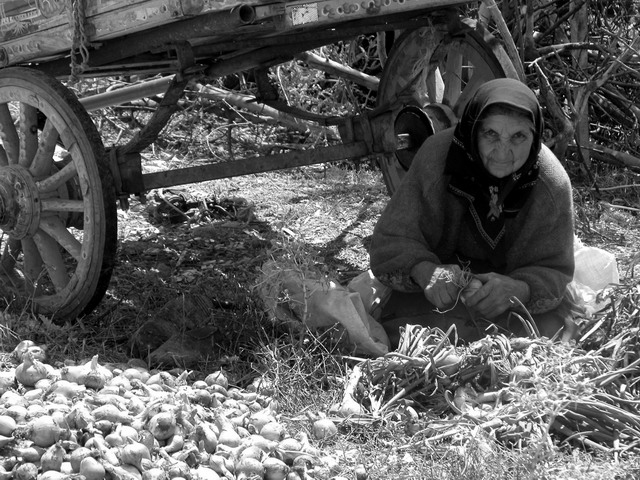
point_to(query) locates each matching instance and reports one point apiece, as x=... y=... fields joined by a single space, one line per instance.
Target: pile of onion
x=123 y=422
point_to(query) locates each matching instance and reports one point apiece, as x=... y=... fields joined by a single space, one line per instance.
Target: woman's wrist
x=422 y=272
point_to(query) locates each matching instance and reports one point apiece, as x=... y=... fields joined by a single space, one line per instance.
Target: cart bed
x=43 y=30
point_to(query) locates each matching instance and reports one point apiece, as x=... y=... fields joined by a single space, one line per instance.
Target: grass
x=317 y=222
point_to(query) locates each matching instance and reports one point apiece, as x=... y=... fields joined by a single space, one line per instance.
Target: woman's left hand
x=493 y=298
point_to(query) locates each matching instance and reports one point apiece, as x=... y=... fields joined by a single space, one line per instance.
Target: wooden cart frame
x=58 y=183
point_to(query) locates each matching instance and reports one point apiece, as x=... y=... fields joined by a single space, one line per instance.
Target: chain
x=80 y=44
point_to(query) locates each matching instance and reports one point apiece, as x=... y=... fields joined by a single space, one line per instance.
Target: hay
x=519 y=390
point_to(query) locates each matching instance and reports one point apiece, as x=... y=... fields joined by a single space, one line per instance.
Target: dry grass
x=319 y=220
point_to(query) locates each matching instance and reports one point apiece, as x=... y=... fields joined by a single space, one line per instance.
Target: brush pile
x=124 y=422
x=516 y=389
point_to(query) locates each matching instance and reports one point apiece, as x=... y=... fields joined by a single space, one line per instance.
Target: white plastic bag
x=595 y=268
x=324 y=302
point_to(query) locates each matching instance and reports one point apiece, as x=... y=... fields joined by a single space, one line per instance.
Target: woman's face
x=504 y=143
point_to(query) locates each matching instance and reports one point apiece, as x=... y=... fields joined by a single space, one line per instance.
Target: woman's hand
x=493 y=297
x=440 y=282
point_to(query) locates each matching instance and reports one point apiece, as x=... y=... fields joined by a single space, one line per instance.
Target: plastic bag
x=595 y=268
x=322 y=302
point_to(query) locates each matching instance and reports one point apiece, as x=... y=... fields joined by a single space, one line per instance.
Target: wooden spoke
x=52 y=259
x=10 y=252
x=57 y=180
x=32 y=265
x=9 y=134
x=453 y=75
x=28 y=133
x=62 y=205
x=43 y=159
x=53 y=226
x=4 y=160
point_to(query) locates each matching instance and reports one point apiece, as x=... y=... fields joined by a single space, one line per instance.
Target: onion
x=114 y=439
x=97 y=376
x=273 y=431
x=26 y=471
x=249 y=468
x=4 y=441
x=133 y=454
x=275 y=469
x=174 y=443
x=79 y=417
x=112 y=413
x=217 y=378
x=128 y=433
x=30 y=370
x=229 y=438
x=7 y=381
x=257 y=420
x=92 y=469
x=52 y=458
x=74 y=373
x=30 y=454
x=205 y=473
x=53 y=475
x=162 y=425
x=154 y=474
x=324 y=428
x=146 y=438
x=67 y=389
x=289 y=449
x=43 y=431
x=205 y=434
x=141 y=374
x=77 y=456
x=7 y=425
x=18 y=412
x=221 y=465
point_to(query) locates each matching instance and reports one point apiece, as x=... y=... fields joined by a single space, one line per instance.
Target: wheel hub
x=19 y=202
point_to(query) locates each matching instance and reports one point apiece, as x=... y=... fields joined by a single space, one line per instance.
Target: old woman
x=481 y=226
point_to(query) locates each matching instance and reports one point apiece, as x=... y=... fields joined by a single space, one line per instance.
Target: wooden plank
x=37 y=29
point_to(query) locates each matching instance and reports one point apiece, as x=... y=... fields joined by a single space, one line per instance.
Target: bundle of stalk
x=517 y=389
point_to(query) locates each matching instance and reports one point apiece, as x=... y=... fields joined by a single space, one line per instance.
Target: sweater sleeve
x=411 y=225
x=542 y=253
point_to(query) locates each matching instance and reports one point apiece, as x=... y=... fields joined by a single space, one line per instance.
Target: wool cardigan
x=424 y=221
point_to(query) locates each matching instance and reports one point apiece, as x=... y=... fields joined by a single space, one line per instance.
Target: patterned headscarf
x=493 y=199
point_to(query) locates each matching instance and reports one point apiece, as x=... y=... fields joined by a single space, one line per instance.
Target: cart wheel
x=437 y=69
x=58 y=223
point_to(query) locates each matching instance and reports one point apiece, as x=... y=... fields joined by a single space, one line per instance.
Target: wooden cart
x=58 y=184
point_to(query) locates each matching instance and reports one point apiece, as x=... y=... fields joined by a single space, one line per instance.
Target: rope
x=80 y=44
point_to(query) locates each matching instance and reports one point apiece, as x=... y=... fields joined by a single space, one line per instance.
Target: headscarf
x=493 y=199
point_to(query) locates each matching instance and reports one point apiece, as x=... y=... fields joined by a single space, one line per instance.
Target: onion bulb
x=275 y=469
x=30 y=370
x=52 y=459
x=92 y=469
x=7 y=380
x=97 y=376
x=249 y=468
x=162 y=425
x=205 y=434
x=205 y=473
x=26 y=471
x=7 y=425
x=77 y=456
x=43 y=431
x=133 y=454
x=324 y=428
x=217 y=378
